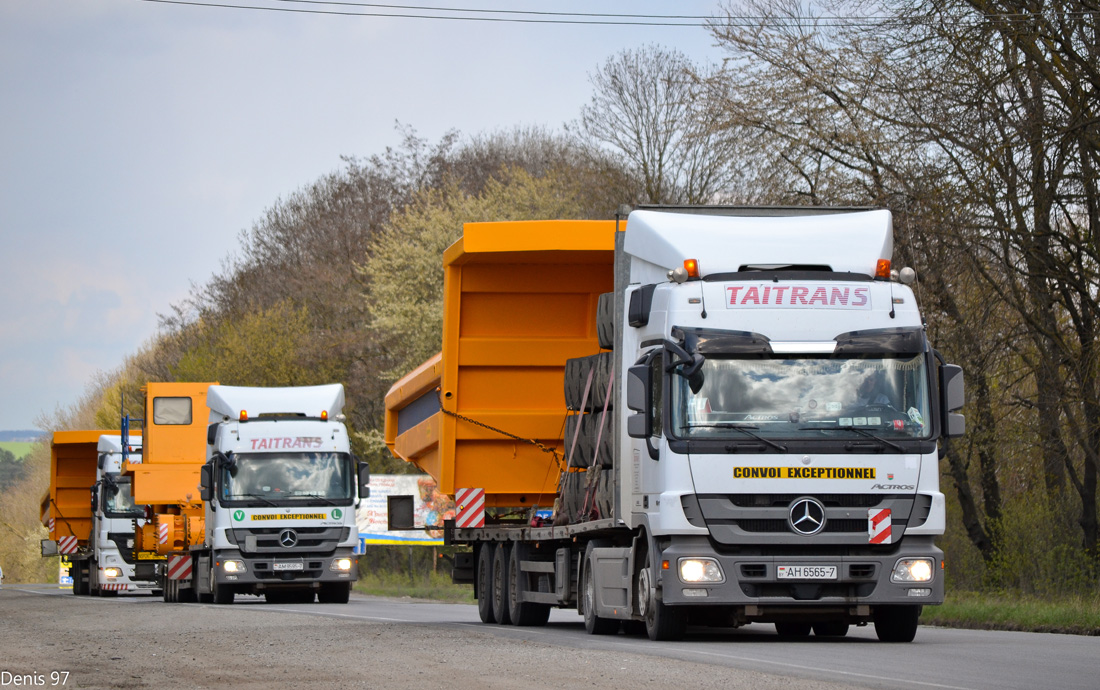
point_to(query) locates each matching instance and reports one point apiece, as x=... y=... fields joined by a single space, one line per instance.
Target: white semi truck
x=753 y=425
x=280 y=488
x=95 y=533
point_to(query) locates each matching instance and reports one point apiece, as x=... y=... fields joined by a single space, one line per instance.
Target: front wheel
x=334 y=593
x=221 y=594
x=662 y=623
x=896 y=623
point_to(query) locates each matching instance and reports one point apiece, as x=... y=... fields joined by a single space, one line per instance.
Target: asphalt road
x=752 y=656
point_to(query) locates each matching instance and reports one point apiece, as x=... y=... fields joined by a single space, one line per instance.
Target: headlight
x=233 y=566
x=912 y=570
x=342 y=564
x=700 y=570
x=112 y=572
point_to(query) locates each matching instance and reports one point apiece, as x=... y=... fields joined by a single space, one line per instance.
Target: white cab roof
x=307 y=400
x=846 y=242
x=113 y=444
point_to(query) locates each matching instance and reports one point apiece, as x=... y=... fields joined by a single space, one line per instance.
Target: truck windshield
x=294 y=477
x=118 y=500
x=801 y=398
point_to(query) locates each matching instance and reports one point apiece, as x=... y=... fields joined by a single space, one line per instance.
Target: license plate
x=289 y=566
x=806 y=572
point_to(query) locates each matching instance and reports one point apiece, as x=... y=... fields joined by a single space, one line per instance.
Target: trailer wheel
x=500 y=583
x=169 y=593
x=896 y=623
x=793 y=629
x=594 y=624
x=485 y=583
x=831 y=629
x=79 y=583
x=662 y=623
x=522 y=612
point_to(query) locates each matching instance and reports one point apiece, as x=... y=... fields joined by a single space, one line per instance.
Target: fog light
x=112 y=572
x=920 y=592
x=695 y=593
x=912 y=570
x=700 y=570
x=342 y=564
x=233 y=566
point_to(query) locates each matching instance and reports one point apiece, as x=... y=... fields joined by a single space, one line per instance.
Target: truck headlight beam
x=912 y=570
x=694 y=570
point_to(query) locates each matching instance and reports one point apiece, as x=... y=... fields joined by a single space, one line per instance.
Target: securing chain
x=541 y=446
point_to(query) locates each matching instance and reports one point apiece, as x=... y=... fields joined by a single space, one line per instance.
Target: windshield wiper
x=743 y=428
x=236 y=497
x=864 y=432
x=326 y=499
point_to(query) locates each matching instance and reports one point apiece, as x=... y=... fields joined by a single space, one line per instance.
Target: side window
x=171 y=411
x=656 y=372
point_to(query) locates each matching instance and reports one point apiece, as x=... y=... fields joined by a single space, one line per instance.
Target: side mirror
x=212 y=434
x=952 y=397
x=364 y=480
x=399 y=513
x=95 y=498
x=206 y=485
x=639 y=386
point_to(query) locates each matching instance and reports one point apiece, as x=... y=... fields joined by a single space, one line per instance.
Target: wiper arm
x=268 y=501
x=326 y=499
x=864 y=432
x=743 y=428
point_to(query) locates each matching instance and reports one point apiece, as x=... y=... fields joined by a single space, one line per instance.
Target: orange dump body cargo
x=520 y=298
x=73 y=464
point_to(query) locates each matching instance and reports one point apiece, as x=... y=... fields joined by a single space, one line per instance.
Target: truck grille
x=309 y=539
x=762 y=519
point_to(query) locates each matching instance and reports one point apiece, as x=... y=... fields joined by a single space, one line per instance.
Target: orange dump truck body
x=73 y=462
x=520 y=298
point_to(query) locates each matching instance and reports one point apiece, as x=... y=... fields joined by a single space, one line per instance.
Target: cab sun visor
x=882 y=341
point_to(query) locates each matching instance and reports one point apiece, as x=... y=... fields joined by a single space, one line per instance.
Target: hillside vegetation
x=980 y=135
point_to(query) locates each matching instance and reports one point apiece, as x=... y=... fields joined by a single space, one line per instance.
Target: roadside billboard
x=430 y=509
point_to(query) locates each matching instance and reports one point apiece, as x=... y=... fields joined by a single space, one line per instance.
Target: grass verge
x=436 y=586
x=1069 y=615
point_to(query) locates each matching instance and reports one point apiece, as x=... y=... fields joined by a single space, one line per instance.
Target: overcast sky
x=137 y=139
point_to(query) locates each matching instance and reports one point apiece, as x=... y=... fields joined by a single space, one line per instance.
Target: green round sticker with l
x=337 y=514
x=238 y=515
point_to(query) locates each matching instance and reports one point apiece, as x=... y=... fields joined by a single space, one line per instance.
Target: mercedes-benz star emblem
x=288 y=538
x=807 y=516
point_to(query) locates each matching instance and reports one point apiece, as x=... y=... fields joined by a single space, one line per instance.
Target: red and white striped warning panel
x=115 y=588
x=179 y=567
x=51 y=525
x=66 y=545
x=471 y=507
x=878 y=526
x=162 y=532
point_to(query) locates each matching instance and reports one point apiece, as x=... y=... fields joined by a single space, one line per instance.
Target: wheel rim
x=644 y=593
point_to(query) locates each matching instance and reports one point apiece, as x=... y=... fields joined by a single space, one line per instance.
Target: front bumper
x=863 y=578
x=286 y=570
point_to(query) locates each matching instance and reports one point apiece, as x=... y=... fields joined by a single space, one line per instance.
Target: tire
x=896 y=623
x=662 y=623
x=79 y=583
x=793 y=628
x=830 y=629
x=593 y=623
x=524 y=613
x=220 y=594
x=500 y=583
x=334 y=593
x=485 y=583
x=170 y=593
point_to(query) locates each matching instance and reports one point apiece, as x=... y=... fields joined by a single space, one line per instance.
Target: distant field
x=16 y=448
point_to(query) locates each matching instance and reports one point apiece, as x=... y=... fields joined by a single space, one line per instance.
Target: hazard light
x=692 y=267
x=324 y=415
x=882 y=270
x=244 y=416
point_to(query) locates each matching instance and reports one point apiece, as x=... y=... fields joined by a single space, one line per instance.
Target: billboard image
x=430 y=509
